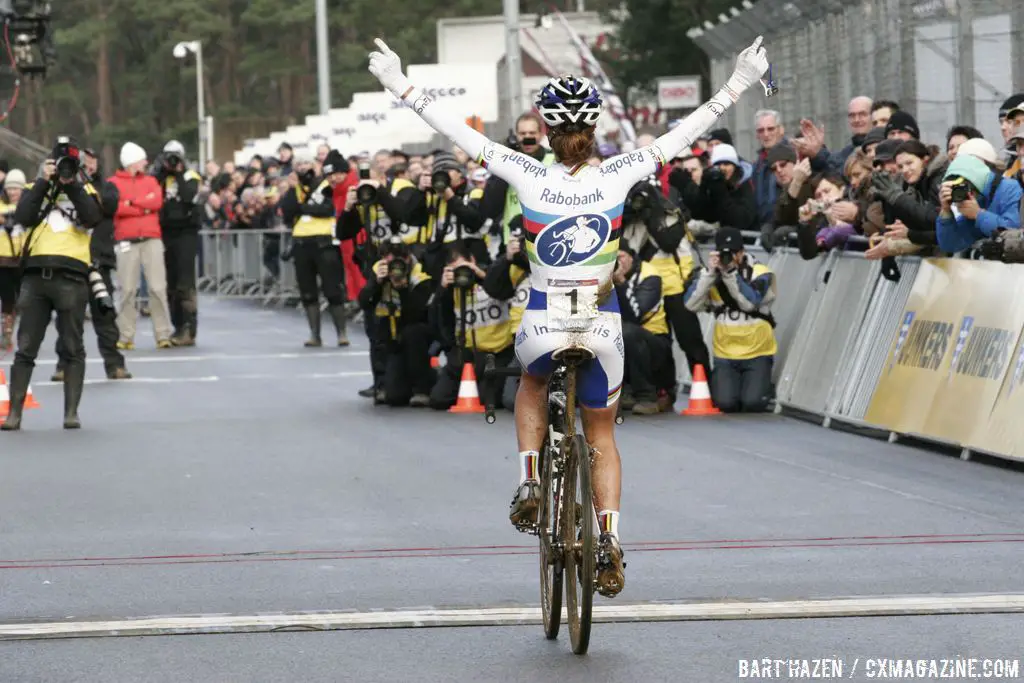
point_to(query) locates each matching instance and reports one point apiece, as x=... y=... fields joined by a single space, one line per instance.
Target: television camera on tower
x=27 y=36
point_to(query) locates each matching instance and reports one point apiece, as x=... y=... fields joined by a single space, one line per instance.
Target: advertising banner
x=467 y=89
x=1002 y=432
x=948 y=358
x=379 y=115
x=679 y=92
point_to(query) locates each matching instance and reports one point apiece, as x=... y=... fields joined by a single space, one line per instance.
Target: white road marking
x=215 y=378
x=882 y=606
x=132 y=360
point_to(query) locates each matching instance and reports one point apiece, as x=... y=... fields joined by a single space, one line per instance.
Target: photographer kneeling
x=59 y=212
x=397 y=296
x=470 y=325
x=739 y=291
x=644 y=332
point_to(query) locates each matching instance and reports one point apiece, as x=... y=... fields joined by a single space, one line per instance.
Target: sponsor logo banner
x=956 y=344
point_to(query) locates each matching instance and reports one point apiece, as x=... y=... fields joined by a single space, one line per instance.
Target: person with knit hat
x=725 y=192
x=902 y=126
x=11 y=242
x=992 y=204
x=452 y=208
x=140 y=246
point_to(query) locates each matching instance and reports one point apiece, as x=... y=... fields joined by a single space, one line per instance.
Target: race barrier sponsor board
x=951 y=352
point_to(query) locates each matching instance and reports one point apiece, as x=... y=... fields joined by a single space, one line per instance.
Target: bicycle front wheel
x=552 y=564
x=578 y=537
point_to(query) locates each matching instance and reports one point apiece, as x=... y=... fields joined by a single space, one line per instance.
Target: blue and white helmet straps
x=569 y=99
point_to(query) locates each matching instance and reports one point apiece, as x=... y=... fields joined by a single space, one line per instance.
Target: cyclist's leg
x=598 y=386
x=534 y=345
x=599 y=427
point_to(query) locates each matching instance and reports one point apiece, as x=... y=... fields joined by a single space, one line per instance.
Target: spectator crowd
x=428 y=251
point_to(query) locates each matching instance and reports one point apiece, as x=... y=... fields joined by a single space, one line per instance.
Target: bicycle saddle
x=573 y=354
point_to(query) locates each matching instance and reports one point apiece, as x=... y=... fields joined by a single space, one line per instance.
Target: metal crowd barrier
x=842 y=339
x=247 y=264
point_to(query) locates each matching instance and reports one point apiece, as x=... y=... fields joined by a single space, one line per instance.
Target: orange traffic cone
x=30 y=400
x=5 y=398
x=469 y=398
x=700 y=396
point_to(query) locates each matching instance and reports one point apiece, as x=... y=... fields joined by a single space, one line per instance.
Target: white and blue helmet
x=569 y=100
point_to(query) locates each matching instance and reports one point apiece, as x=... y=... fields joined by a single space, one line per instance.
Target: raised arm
x=510 y=166
x=751 y=64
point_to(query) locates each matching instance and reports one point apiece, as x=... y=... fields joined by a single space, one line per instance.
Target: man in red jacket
x=139 y=245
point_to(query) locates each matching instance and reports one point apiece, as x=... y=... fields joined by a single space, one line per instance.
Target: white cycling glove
x=751 y=65
x=386 y=66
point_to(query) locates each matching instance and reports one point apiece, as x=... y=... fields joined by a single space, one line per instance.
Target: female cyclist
x=572 y=215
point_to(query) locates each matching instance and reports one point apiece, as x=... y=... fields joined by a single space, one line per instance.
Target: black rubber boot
x=20 y=378
x=313 y=316
x=340 y=323
x=74 y=383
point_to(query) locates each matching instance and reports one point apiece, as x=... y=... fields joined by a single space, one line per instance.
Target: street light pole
x=513 y=60
x=323 y=66
x=201 y=106
x=181 y=51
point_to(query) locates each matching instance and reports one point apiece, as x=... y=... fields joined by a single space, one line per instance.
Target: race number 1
x=572 y=304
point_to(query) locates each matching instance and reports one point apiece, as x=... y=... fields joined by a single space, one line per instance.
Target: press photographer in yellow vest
x=650 y=371
x=470 y=324
x=59 y=213
x=309 y=208
x=11 y=241
x=449 y=208
x=508 y=279
x=656 y=230
x=739 y=291
x=396 y=298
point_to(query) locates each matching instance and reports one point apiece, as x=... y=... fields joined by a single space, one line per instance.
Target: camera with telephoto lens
x=440 y=181
x=725 y=257
x=66 y=156
x=366 y=193
x=307 y=177
x=512 y=142
x=398 y=266
x=98 y=289
x=961 y=191
x=171 y=161
x=464 y=277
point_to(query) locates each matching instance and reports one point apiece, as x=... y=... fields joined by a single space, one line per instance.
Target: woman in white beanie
x=11 y=243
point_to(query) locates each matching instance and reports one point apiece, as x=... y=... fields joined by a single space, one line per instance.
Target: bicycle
x=568 y=547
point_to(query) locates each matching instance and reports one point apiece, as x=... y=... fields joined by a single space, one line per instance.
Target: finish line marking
x=214 y=378
x=132 y=359
x=884 y=606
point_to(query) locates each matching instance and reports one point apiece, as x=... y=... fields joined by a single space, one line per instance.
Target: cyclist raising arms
x=572 y=215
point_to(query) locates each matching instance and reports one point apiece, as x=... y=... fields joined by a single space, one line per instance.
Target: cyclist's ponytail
x=572 y=147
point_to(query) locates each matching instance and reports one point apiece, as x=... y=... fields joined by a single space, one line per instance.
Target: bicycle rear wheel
x=552 y=563
x=578 y=536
